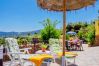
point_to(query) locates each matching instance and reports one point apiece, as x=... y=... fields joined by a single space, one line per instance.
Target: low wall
x=97 y=32
x=97 y=40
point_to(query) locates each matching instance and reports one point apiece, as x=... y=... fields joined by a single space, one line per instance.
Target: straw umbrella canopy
x=63 y=6
x=57 y=5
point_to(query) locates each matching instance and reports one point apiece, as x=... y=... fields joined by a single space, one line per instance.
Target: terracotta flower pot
x=43 y=49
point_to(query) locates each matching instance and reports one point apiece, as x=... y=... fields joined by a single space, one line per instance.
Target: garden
x=85 y=31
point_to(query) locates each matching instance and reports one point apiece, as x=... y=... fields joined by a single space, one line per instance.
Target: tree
x=49 y=30
x=76 y=26
x=90 y=35
x=69 y=27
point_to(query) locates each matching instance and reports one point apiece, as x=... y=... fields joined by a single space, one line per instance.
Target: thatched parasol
x=57 y=5
x=64 y=5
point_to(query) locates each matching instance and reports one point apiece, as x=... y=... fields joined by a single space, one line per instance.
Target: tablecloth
x=38 y=59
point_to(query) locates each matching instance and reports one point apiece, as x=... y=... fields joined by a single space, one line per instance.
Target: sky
x=26 y=15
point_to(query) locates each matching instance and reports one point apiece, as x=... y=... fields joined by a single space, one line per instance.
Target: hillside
x=16 y=34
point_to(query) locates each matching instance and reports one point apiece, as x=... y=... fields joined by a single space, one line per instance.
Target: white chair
x=1 y=55
x=14 y=53
x=1 y=52
x=55 y=47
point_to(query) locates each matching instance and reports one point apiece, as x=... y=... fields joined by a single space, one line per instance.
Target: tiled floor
x=88 y=57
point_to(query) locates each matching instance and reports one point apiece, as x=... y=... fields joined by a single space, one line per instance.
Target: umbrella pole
x=64 y=32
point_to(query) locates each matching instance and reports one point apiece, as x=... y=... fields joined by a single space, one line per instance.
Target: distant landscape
x=16 y=34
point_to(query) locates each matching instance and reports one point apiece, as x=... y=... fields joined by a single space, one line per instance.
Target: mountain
x=16 y=34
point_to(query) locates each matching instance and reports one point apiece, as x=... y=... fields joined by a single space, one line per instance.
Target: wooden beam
x=64 y=26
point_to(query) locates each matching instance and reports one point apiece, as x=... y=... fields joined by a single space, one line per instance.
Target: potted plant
x=43 y=47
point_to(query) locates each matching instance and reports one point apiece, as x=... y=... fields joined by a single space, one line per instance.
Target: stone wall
x=97 y=32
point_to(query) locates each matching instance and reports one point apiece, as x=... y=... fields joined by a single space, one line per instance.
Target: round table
x=38 y=59
x=41 y=52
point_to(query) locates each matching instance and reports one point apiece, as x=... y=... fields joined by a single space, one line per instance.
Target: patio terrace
x=88 y=57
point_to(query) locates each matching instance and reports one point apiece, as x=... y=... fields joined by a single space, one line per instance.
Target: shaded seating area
x=74 y=44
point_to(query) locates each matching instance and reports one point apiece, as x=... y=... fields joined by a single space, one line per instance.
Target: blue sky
x=25 y=15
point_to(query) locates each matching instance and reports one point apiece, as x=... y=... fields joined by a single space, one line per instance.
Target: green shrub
x=67 y=37
x=90 y=35
x=2 y=41
x=22 y=40
x=44 y=46
x=81 y=33
x=50 y=30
